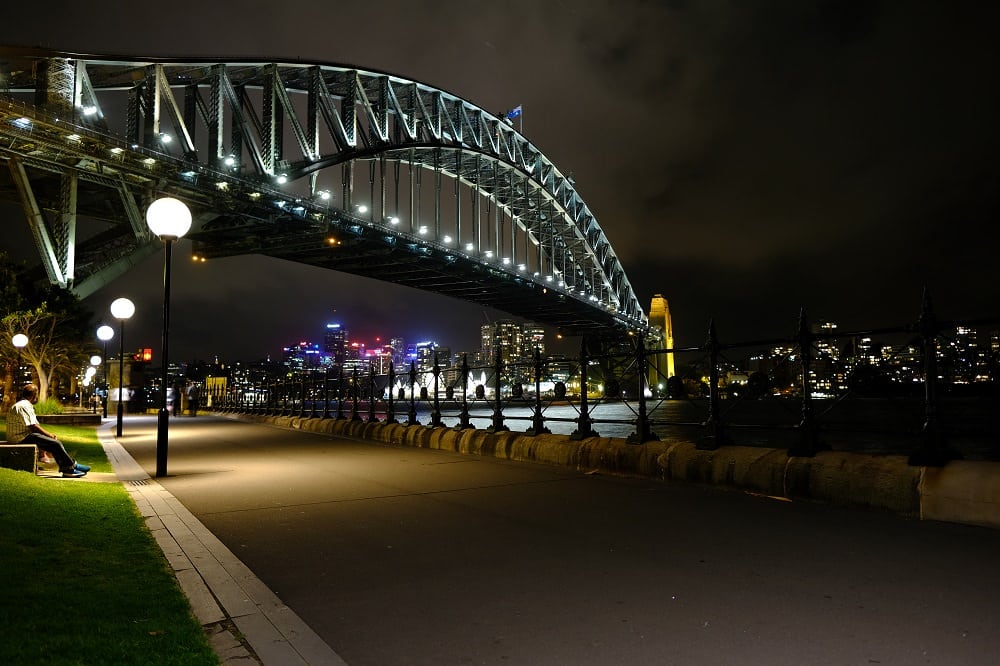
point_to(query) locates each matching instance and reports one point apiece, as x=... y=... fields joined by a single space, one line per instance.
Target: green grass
x=83 y=580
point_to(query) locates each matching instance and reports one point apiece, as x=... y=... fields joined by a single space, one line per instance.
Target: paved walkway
x=400 y=555
x=227 y=598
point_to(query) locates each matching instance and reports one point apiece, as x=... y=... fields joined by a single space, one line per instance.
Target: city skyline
x=755 y=161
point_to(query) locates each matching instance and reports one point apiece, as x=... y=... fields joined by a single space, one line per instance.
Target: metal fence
x=926 y=418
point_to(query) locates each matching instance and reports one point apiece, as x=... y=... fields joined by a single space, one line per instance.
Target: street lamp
x=20 y=341
x=105 y=333
x=95 y=362
x=169 y=219
x=121 y=309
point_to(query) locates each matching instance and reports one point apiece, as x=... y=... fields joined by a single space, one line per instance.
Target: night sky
x=745 y=159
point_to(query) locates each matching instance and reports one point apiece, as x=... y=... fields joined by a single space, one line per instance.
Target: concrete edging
x=961 y=491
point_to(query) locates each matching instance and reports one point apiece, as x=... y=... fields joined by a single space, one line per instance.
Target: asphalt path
x=397 y=555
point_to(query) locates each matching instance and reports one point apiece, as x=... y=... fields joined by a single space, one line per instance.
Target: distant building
x=335 y=343
x=302 y=356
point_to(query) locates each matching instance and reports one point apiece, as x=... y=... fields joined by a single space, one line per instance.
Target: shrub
x=49 y=406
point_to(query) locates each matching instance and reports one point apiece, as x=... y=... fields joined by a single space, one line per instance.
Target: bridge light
x=116 y=151
x=229 y=161
x=489 y=254
x=506 y=261
x=447 y=240
x=282 y=179
x=395 y=220
x=548 y=278
x=422 y=231
x=22 y=123
x=165 y=138
x=521 y=267
x=324 y=195
x=73 y=137
x=362 y=208
x=470 y=247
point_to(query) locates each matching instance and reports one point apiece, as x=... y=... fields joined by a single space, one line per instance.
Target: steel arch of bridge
x=251 y=138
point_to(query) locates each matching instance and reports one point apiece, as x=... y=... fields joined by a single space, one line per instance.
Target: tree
x=56 y=324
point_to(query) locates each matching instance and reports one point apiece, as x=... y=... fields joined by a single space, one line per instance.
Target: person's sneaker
x=73 y=474
x=82 y=468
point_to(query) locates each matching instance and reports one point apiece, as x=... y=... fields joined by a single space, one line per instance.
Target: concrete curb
x=222 y=591
x=961 y=491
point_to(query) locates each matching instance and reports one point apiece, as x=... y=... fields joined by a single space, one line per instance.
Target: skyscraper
x=335 y=343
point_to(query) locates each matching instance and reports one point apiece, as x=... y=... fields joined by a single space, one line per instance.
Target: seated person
x=23 y=428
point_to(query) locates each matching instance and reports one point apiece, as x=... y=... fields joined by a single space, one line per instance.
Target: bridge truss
x=337 y=167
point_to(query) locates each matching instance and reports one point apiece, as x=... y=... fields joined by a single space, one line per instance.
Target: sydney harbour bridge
x=333 y=166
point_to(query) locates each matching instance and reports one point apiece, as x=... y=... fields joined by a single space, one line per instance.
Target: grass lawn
x=83 y=580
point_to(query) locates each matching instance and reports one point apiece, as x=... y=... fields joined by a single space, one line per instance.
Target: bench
x=22 y=457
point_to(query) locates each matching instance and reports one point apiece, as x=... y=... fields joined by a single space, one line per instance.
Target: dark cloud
x=746 y=159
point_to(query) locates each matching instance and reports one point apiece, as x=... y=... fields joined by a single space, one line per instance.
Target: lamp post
x=121 y=309
x=95 y=362
x=169 y=219
x=105 y=333
x=20 y=341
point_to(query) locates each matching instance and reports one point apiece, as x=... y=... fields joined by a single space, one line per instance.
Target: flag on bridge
x=515 y=112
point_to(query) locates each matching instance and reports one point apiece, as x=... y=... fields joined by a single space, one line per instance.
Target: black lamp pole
x=163 y=418
x=121 y=377
x=169 y=219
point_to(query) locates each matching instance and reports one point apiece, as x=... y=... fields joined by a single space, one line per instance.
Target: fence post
x=933 y=449
x=463 y=417
x=497 y=425
x=808 y=430
x=716 y=433
x=537 y=420
x=354 y=395
x=371 y=392
x=390 y=409
x=436 y=411
x=340 y=394
x=412 y=416
x=642 y=432
x=302 y=395
x=312 y=396
x=584 y=426
x=326 y=392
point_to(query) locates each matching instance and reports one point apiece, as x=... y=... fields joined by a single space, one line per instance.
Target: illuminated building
x=335 y=343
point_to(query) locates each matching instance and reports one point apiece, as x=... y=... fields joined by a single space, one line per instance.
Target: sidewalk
x=226 y=597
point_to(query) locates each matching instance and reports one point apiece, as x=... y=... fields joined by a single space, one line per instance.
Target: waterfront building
x=302 y=356
x=335 y=343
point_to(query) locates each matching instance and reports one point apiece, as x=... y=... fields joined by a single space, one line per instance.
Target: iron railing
x=626 y=391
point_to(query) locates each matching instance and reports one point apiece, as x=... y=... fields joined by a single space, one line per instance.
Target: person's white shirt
x=20 y=419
